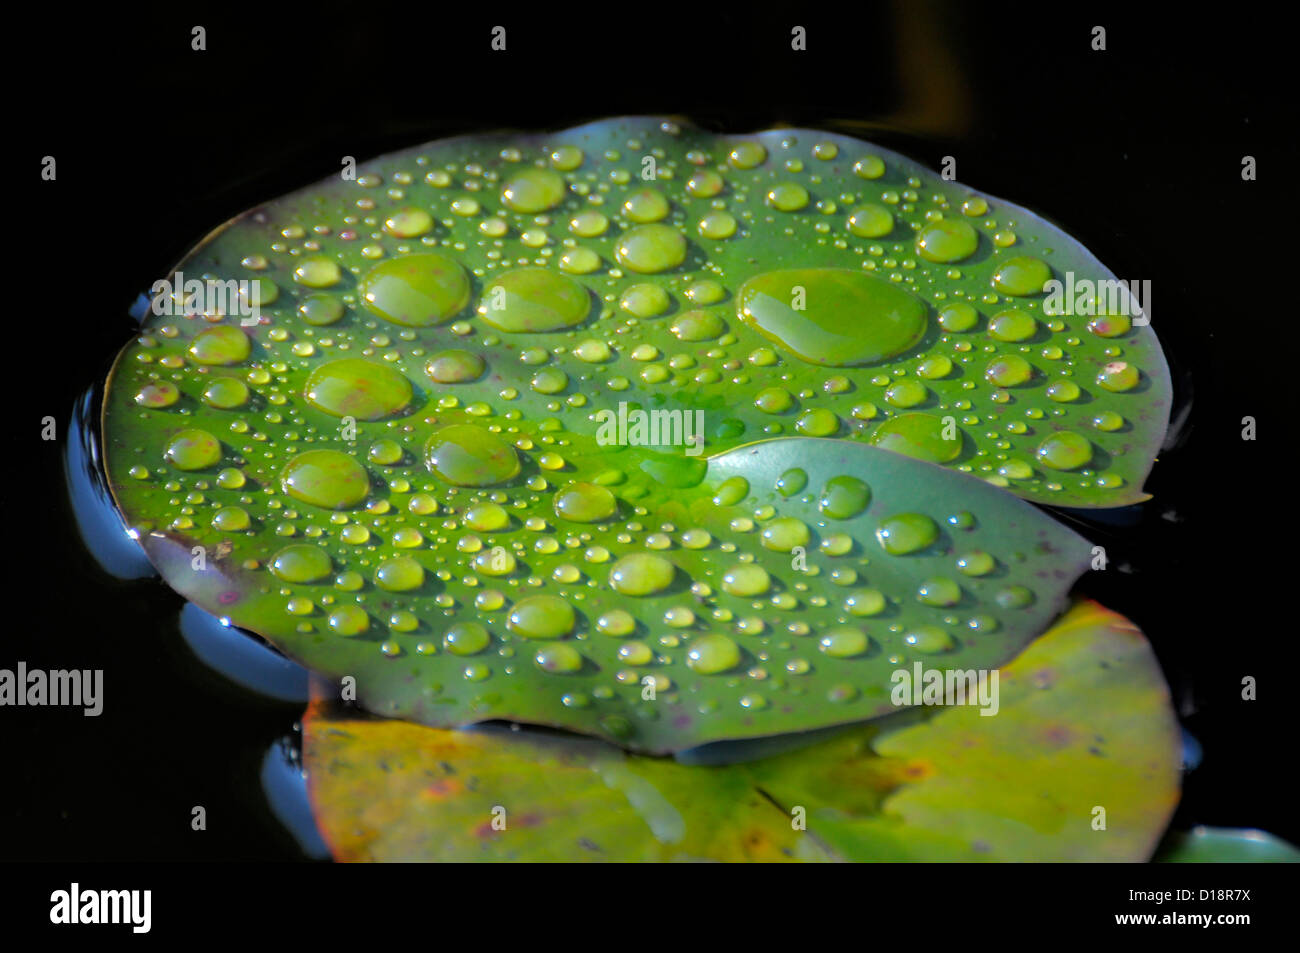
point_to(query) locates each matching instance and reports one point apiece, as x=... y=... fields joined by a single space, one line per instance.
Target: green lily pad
x=1083 y=721
x=563 y=453
x=887 y=304
x=1223 y=845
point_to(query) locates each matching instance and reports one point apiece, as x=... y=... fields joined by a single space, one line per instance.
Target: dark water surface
x=1135 y=151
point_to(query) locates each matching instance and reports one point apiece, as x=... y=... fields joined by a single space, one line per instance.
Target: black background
x=1136 y=150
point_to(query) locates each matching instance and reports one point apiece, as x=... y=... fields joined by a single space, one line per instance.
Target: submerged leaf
x=1083 y=721
x=1224 y=845
x=690 y=615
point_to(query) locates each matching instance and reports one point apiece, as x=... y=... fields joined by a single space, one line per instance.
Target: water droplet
x=947 y=240
x=921 y=436
x=416 y=291
x=785 y=533
x=321 y=310
x=157 y=395
x=1008 y=370
x=976 y=563
x=466 y=638
x=533 y=190
x=791 y=482
x=193 y=450
x=787 y=197
x=1022 y=276
x=559 y=659
x=844 y=642
x=846 y=318
x=349 y=620
x=325 y=478
x=869 y=167
x=224 y=344
x=226 y=393
x=645 y=206
x=844 y=497
x=1118 y=376
x=466 y=455
x=585 y=503
x=641 y=574
x=906 y=533
x=713 y=654
x=231 y=519
x=698 y=326
x=651 y=249
x=929 y=639
x=1012 y=325
x=317 y=273
x=717 y=225
x=529 y=300
x=616 y=623
x=747 y=155
x=731 y=491
x=958 y=316
x=542 y=617
x=871 y=221
x=818 y=422
x=408 y=223
x=1064 y=450
x=745 y=580
x=455 y=367
x=301 y=563
x=939 y=591
x=352 y=387
x=400 y=574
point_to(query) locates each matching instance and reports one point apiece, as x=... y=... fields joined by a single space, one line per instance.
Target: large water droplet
x=831 y=316
x=585 y=503
x=947 y=240
x=224 y=344
x=301 y=563
x=466 y=455
x=193 y=450
x=1064 y=450
x=844 y=497
x=529 y=300
x=542 y=617
x=650 y=249
x=713 y=654
x=907 y=533
x=353 y=387
x=1022 y=276
x=416 y=291
x=641 y=574
x=921 y=436
x=325 y=478
x=533 y=190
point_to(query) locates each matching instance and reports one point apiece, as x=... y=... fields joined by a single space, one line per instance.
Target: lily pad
x=475 y=423
x=1083 y=721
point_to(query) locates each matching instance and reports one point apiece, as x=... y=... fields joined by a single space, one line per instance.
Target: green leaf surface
x=1225 y=845
x=1083 y=721
x=684 y=620
x=427 y=465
